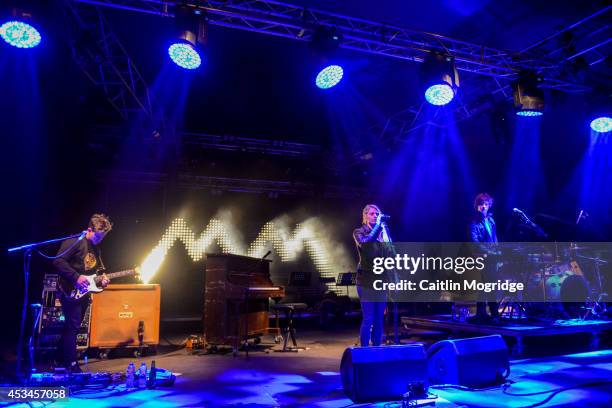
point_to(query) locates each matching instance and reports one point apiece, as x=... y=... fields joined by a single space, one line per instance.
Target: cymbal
x=579 y=248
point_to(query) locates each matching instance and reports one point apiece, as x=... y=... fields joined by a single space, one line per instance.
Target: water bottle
x=152 y=376
x=142 y=375
x=129 y=376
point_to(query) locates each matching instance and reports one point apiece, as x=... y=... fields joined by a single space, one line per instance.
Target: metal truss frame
x=216 y=185
x=230 y=143
x=298 y=23
x=588 y=38
x=103 y=59
x=250 y=145
x=495 y=67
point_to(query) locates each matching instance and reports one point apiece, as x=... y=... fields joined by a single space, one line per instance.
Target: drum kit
x=556 y=283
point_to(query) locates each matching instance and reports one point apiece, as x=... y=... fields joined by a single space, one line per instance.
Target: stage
x=312 y=378
x=184 y=177
x=514 y=328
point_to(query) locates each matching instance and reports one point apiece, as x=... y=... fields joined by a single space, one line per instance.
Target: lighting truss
x=250 y=145
x=103 y=59
x=298 y=23
x=234 y=185
x=588 y=38
x=103 y=134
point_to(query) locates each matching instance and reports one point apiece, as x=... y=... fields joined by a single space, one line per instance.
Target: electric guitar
x=95 y=283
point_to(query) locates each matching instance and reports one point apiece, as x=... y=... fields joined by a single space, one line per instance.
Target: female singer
x=373 y=302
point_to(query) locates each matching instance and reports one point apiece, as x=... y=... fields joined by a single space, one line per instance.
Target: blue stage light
x=529 y=113
x=329 y=76
x=439 y=94
x=19 y=34
x=184 y=55
x=602 y=124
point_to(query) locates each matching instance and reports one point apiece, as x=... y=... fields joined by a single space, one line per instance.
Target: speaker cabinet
x=473 y=362
x=382 y=373
x=117 y=313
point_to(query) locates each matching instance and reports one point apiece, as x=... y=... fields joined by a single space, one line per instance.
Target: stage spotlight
x=324 y=43
x=185 y=55
x=329 y=76
x=528 y=97
x=19 y=30
x=439 y=78
x=602 y=124
x=192 y=30
x=439 y=94
x=528 y=113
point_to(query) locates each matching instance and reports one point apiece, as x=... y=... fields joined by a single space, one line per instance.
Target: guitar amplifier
x=125 y=315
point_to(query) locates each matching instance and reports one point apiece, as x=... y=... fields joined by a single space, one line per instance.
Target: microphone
x=582 y=216
x=522 y=214
x=528 y=221
x=385 y=217
x=266 y=255
x=82 y=235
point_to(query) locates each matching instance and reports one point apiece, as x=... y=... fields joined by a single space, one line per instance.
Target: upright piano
x=237 y=290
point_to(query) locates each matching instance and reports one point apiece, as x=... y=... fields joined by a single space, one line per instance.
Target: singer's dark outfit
x=484 y=230
x=82 y=259
x=372 y=309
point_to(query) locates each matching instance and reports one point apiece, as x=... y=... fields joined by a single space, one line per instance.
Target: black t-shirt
x=80 y=258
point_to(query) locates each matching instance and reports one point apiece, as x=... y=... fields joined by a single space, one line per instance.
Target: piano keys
x=237 y=290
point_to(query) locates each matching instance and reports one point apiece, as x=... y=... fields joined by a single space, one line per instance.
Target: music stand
x=346 y=279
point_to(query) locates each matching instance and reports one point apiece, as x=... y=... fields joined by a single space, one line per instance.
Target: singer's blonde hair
x=365 y=210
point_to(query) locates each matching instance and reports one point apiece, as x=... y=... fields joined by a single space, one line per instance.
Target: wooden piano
x=237 y=288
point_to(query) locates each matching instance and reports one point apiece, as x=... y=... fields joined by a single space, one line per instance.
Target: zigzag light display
x=287 y=245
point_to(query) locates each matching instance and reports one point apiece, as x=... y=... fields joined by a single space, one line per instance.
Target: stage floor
x=517 y=329
x=311 y=378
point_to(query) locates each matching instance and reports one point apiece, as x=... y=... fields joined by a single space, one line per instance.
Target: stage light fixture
x=602 y=124
x=439 y=94
x=440 y=79
x=185 y=55
x=19 y=31
x=329 y=76
x=324 y=43
x=528 y=113
x=528 y=97
x=192 y=29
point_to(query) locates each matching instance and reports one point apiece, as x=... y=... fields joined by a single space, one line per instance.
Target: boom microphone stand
x=27 y=258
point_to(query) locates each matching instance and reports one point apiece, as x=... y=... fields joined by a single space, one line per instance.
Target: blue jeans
x=373 y=304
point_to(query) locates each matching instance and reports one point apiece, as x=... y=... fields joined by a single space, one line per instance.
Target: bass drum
x=570 y=288
x=566 y=283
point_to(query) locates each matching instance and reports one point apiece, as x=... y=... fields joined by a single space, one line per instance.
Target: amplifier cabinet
x=123 y=312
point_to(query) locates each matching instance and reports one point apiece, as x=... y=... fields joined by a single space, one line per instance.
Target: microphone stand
x=395 y=312
x=539 y=231
x=27 y=259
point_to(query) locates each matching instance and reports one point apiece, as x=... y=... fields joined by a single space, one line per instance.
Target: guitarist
x=79 y=257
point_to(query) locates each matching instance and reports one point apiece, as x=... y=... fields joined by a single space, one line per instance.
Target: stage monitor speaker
x=123 y=313
x=382 y=373
x=474 y=362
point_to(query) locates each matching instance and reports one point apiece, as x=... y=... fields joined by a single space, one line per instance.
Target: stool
x=289 y=331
